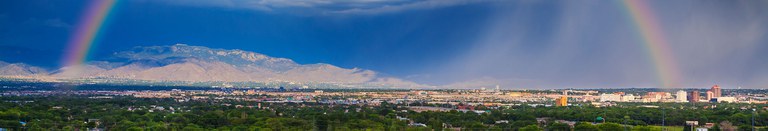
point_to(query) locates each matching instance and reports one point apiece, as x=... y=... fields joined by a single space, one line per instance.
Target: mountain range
x=187 y=63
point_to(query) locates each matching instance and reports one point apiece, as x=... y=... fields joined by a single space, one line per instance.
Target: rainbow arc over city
x=87 y=31
x=653 y=38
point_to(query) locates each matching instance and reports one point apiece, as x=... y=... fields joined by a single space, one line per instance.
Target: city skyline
x=515 y=44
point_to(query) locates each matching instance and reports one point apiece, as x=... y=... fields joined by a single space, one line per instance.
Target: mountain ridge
x=20 y=69
x=181 y=62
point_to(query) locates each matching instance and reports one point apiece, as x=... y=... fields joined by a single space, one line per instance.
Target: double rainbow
x=87 y=32
x=653 y=37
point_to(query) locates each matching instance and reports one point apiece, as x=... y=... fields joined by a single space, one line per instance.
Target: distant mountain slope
x=201 y=64
x=19 y=69
x=232 y=57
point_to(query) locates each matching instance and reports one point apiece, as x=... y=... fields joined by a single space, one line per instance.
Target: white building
x=681 y=96
x=628 y=98
x=502 y=121
x=727 y=99
x=417 y=125
x=610 y=97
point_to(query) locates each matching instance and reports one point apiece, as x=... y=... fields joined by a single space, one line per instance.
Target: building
x=628 y=98
x=562 y=101
x=656 y=96
x=717 y=91
x=417 y=125
x=681 y=96
x=502 y=121
x=692 y=123
x=694 y=97
x=610 y=97
x=727 y=99
x=710 y=95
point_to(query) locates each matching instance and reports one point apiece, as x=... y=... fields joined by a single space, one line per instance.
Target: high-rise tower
x=716 y=91
x=681 y=96
x=694 y=96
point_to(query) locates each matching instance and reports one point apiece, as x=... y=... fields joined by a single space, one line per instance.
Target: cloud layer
x=555 y=44
x=470 y=43
x=325 y=6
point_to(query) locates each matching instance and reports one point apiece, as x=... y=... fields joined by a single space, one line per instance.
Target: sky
x=522 y=44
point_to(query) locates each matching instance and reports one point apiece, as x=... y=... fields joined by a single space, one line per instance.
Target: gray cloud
x=593 y=44
x=426 y=4
x=578 y=43
x=721 y=45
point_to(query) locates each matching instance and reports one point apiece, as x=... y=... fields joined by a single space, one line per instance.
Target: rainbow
x=87 y=32
x=653 y=38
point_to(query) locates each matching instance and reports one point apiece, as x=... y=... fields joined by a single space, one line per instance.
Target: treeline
x=670 y=114
x=128 y=113
x=80 y=112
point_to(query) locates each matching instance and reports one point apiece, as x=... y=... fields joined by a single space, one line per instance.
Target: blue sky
x=517 y=44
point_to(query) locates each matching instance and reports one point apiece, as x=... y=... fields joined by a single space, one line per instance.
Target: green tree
x=192 y=127
x=610 y=127
x=642 y=128
x=68 y=128
x=531 y=128
x=364 y=124
x=435 y=124
x=585 y=126
x=521 y=123
x=687 y=128
x=745 y=128
x=321 y=124
x=135 y=129
x=715 y=128
x=475 y=126
x=414 y=129
x=288 y=124
x=557 y=126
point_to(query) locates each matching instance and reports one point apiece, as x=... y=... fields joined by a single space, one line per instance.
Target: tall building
x=681 y=96
x=563 y=101
x=694 y=97
x=710 y=95
x=716 y=90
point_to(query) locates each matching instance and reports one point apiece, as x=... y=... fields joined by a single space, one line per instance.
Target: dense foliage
x=129 y=113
